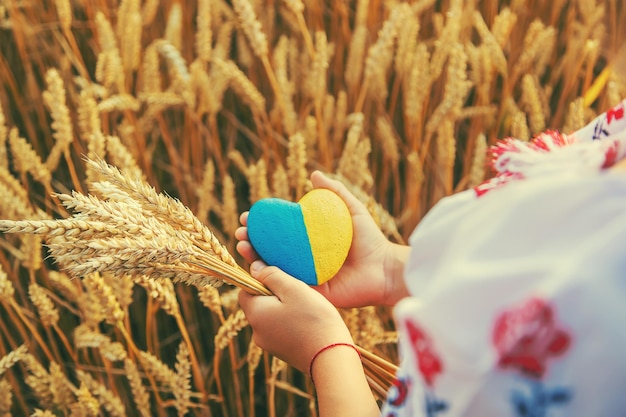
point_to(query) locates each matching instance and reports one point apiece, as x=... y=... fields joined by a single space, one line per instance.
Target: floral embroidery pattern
x=601 y=128
x=525 y=338
x=537 y=400
x=508 y=156
x=401 y=391
x=616 y=113
x=429 y=366
x=428 y=363
x=512 y=159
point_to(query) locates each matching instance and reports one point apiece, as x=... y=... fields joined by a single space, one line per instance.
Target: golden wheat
x=12 y=358
x=477 y=169
x=398 y=100
x=26 y=159
x=297 y=172
x=353 y=161
x=42 y=413
x=285 y=84
x=280 y=183
x=532 y=101
x=141 y=397
x=251 y=27
x=380 y=55
x=181 y=386
x=61 y=388
x=210 y=297
x=54 y=98
x=128 y=29
x=108 y=400
x=242 y=85
x=229 y=212
x=231 y=327
x=86 y=404
x=48 y=313
x=6 y=398
x=38 y=379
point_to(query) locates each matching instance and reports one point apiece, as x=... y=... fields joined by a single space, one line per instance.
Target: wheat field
x=126 y=125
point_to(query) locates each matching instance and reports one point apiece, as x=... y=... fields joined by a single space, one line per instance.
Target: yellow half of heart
x=329 y=227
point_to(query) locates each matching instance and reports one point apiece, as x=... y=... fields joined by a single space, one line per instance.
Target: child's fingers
x=276 y=280
x=246 y=250
x=258 y=307
x=320 y=180
x=241 y=233
x=243 y=218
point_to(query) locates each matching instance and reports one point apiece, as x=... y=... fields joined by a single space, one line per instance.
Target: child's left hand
x=295 y=322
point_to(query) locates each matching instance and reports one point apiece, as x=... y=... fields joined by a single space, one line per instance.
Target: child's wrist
x=325 y=349
x=395 y=286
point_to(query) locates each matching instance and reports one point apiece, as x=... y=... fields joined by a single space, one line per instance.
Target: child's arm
x=340 y=384
x=296 y=324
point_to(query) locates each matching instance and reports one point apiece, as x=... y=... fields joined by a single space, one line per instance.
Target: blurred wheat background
x=221 y=103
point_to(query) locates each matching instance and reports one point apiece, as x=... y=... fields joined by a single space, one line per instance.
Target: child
x=509 y=300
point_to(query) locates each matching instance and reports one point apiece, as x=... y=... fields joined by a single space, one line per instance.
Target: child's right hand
x=373 y=271
x=293 y=323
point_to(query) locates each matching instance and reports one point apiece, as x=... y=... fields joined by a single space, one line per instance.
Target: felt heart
x=309 y=239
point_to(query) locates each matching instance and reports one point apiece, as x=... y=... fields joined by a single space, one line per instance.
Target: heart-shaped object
x=309 y=239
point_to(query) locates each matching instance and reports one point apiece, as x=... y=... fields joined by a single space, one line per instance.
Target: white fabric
x=519 y=294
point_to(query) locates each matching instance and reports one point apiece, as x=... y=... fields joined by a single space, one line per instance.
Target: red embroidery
x=551 y=139
x=429 y=363
x=525 y=337
x=402 y=390
x=616 y=113
x=502 y=152
x=611 y=154
x=496 y=182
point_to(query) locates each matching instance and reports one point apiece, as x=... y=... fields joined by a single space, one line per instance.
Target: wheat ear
x=137 y=231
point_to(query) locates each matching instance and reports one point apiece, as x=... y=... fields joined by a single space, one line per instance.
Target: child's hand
x=372 y=272
x=296 y=322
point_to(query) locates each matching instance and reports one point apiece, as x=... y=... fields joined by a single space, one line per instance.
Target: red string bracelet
x=325 y=348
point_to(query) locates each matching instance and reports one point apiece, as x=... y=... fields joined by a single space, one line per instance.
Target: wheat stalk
x=280 y=183
x=54 y=97
x=173 y=26
x=129 y=32
x=204 y=34
x=38 y=379
x=477 y=169
x=229 y=213
x=4 y=161
x=136 y=232
x=61 y=388
x=12 y=358
x=231 y=327
x=141 y=397
x=27 y=160
x=6 y=399
x=181 y=386
x=156 y=367
x=86 y=403
x=296 y=164
x=42 y=413
x=108 y=400
x=45 y=307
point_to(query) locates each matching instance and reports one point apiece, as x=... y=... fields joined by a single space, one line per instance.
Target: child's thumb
x=275 y=279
